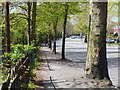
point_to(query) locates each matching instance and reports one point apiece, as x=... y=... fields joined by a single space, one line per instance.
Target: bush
x=18 y=51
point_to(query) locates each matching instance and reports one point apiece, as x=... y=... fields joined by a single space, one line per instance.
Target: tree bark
x=50 y=40
x=88 y=33
x=55 y=32
x=64 y=31
x=29 y=20
x=86 y=39
x=7 y=29
x=89 y=26
x=46 y=39
x=3 y=32
x=33 y=32
x=96 y=63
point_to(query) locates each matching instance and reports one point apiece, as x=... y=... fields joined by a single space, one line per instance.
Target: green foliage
x=83 y=19
x=18 y=30
x=32 y=74
x=2 y=78
x=48 y=12
x=18 y=51
x=113 y=8
x=2 y=25
x=31 y=85
x=112 y=13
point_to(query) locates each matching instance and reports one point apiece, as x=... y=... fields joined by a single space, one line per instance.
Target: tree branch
x=23 y=8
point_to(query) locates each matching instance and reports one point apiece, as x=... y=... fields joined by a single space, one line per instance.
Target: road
x=76 y=51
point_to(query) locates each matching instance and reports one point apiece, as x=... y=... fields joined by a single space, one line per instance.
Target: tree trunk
x=7 y=29
x=88 y=33
x=1 y=19
x=55 y=31
x=29 y=20
x=96 y=63
x=89 y=28
x=46 y=39
x=50 y=40
x=33 y=32
x=64 y=31
x=23 y=38
x=85 y=39
x=3 y=32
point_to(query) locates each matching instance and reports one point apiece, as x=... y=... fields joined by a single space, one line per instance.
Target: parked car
x=73 y=37
x=110 y=37
x=108 y=40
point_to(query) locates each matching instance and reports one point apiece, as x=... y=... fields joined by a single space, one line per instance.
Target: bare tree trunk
x=3 y=32
x=23 y=38
x=55 y=32
x=7 y=29
x=96 y=63
x=89 y=30
x=33 y=32
x=64 y=31
x=29 y=20
x=46 y=39
x=85 y=39
x=88 y=33
x=50 y=40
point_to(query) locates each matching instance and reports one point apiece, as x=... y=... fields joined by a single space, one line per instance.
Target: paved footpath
x=76 y=50
x=56 y=73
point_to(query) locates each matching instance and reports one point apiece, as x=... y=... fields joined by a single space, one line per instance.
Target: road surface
x=76 y=51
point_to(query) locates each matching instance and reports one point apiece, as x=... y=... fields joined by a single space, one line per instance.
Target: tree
x=112 y=10
x=55 y=9
x=64 y=30
x=48 y=16
x=50 y=40
x=19 y=18
x=29 y=22
x=19 y=30
x=33 y=32
x=55 y=32
x=44 y=22
x=83 y=19
x=96 y=63
x=7 y=28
